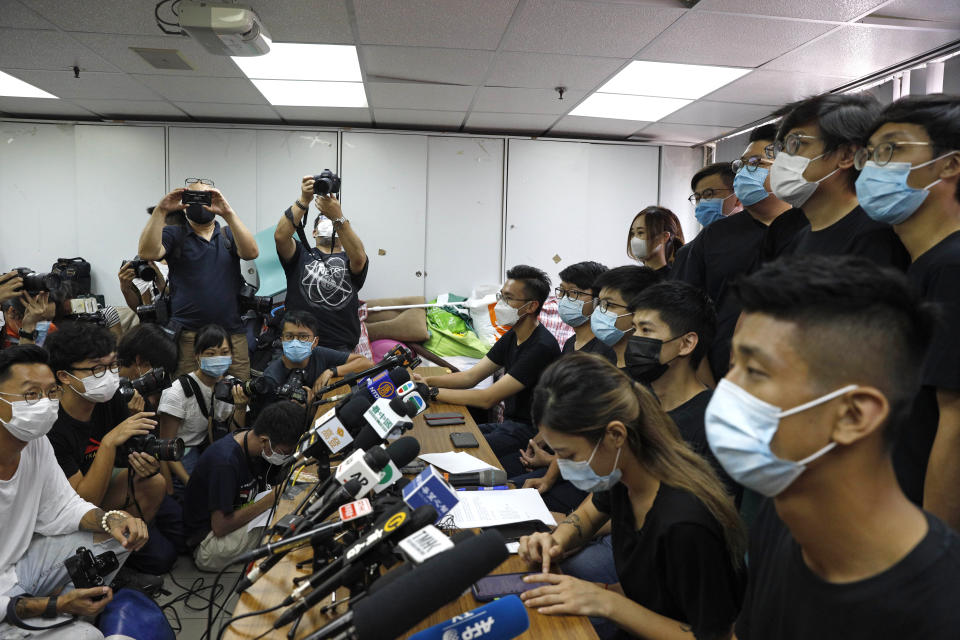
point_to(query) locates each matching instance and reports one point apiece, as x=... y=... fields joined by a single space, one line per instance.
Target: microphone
x=384 y=384
x=416 y=392
x=429 y=488
x=501 y=619
x=326 y=430
x=402 y=452
x=363 y=466
x=350 y=413
x=485 y=478
x=386 y=415
x=400 y=605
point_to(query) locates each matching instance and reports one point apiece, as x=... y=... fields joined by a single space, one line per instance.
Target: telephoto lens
x=166 y=449
x=34 y=283
x=151 y=382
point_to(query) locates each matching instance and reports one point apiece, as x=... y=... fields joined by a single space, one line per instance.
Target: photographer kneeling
x=143 y=349
x=44 y=520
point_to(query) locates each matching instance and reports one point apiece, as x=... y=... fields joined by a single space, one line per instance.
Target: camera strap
x=192 y=389
x=15 y=620
x=301 y=233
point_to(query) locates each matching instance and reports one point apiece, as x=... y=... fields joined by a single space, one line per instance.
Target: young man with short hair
x=610 y=321
x=220 y=498
x=910 y=176
x=827 y=360
x=576 y=300
x=143 y=348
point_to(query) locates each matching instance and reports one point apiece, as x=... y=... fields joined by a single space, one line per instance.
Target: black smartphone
x=464 y=440
x=446 y=422
x=504 y=584
x=196 y=197
x=516 y=530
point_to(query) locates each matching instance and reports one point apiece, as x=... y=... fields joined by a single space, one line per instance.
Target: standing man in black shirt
x=523 y=353
x=325 y=280
x=827 y=359
x=909 y=178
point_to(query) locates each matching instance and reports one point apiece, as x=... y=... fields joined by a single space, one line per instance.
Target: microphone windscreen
x=460 y=536
x=368 y=437
x=492 y=477
x=404 y=450
x=376 y=458
x=351 y=412
x=501 y=619
x=350 y=488
x=410 y=598
x=399 y=376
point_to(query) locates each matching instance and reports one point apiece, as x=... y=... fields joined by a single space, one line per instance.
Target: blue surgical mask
x=604 y=327
x=583 y=477
x=297 y=350
x=215 y=366
x=748 y=185
x=709 y=211
x=884 y=194
x=571 y=312
x=741 y=426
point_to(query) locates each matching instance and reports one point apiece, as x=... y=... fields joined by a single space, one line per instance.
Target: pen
x=501 y=487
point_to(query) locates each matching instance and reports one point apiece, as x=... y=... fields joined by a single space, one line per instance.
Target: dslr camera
x=142 y=269
x=257 y=387
x=34 y=283
x=250 y=301
x=293 y=389
x=87 y=570
x=158 y=312
x=168 y=449
x=148 y=384
x=325 y=183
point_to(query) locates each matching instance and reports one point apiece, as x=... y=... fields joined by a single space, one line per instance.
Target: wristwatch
x=339 y=222
x=29 y=335
x=333 y=370
x=51 y=611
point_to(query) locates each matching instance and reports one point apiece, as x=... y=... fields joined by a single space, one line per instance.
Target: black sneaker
x=131 y=579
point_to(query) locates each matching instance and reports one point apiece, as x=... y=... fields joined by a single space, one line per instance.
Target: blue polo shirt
x=204 y=278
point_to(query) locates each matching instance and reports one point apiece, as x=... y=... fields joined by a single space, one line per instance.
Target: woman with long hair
x=678 y=542
x=654 y=237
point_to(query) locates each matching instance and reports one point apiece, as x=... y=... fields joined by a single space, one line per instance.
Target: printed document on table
x=491 y=508
x=260 y=520
x=455 y=462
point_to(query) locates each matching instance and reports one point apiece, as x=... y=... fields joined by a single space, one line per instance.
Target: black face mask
x=198 y=214
x=642 y=359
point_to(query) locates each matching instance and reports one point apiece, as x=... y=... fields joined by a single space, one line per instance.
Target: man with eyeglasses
x=910 y=178
x=44 y=520
x=522 y=353
x=204 y=269
x=611 y=320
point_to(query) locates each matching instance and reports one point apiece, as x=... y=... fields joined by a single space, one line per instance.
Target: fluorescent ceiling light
x=671 y=80
x=292 y=61
x=624 y=107
x=17 y=88
x=305 y=93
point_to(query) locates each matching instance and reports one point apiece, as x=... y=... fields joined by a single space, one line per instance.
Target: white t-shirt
x=148 y=285
x=36 y=499
x=193 y=429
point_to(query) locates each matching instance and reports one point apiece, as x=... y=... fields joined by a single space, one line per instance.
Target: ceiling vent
x=166 y=59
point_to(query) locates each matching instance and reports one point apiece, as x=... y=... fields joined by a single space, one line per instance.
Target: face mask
x=604 y=326
x=787 y=181
x=275 y=458
x=638 y=247
x=583 y=477
x=741 y=426
x=196 y=213
x=642 y=358
x=884 y=194
x=748 y=185
x=215 y=366
x=325 y=229
x=506 y=315
x=297 y=350
x=31 y=421
x=709 y=211
x=571 y=312
x=99 y=389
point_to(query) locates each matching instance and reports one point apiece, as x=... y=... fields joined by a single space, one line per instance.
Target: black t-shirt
x=321 y=359
x=225 y=479
x=855 y=234
x=76 y=443
x=525 y=363
x=780 y=233
x=936 y=276
x=594 y=346
x=328 y=289
x=677 y=564
x=915 y=598
x=689 y=420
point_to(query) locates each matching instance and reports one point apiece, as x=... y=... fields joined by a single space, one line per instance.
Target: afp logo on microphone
x=473 y=631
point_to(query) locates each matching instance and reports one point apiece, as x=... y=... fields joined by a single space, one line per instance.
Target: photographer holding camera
x=325 y=280
x=143 y=349
x=204 y=267
x=44 y=520
x=22 y=317
x=142 y=281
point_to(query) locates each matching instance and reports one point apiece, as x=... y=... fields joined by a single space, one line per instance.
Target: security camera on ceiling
x=224 y=29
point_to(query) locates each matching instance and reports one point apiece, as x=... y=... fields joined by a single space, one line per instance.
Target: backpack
x=76 y=271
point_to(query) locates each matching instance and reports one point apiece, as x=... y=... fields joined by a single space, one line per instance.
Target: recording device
x=34 y=283
x=250 y=301
x=167 y=449
x=95 y=317
x=463 y=440
x=417 y=393
x=87 y=570
x=157 y=312
x=151 y=382
x=363 y=466
x=430 y=488
x=501 y=620
x=485 y=478
x=397 y=607
x=397 y=359
x=142 y=269
x=326 y=183
x=385 y=416
x=444 y=419
x=293 y=389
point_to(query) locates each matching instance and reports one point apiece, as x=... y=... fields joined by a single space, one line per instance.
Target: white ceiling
x=471 y=65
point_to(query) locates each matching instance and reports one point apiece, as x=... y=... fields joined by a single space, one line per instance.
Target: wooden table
x=271 y=588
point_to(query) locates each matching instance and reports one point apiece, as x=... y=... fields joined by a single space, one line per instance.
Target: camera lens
x=171 y=449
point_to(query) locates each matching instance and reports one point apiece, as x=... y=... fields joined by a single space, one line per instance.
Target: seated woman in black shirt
x=678 y=542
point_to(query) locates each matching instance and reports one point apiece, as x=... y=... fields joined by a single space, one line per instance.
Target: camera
x=249 y=301
x=158 y=312
x=326 y=183
x=142 y=269
x=87 y=570
x=148 y=384
x=34 y=283
x=160 y=448
x=95 y=317
x=293 y=389
x=257 y=387
x=196 y=197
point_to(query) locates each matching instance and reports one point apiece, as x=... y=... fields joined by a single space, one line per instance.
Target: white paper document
x=455 y=462
x=491 y=508
x=260 y=520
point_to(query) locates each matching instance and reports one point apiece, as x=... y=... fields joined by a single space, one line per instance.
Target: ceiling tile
x=117 y=50
x=41 y=107
x=509 y=122
x=446 y=120
x=685 y=133
x=439 y=97
x=92 y=84
x=839 y=10
x=121 y=109
x=458 y=24
x=507 y=100
x=200 y=89
x=942 y=10
x=774 y=88
x=445 y=66
x=217 y=111
x=580 y=125
x=33 y=49
x=18 y=16
x=587 y=28
x=857 y=51
x=103 y=16
x=546 y=71
x=325 y=115
x=316 y=21
x=705 y=38
x=719 y=114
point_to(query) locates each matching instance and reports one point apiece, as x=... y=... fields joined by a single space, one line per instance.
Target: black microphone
x=400 y=605
x=485 y=478
x=282 y=546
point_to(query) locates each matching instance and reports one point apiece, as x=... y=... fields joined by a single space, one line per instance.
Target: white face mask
x=506 y=315
x=31 y=421
x=99 y=389
x=787 y=181
x=275 y=458
x=638 y=247
x=324 y=228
